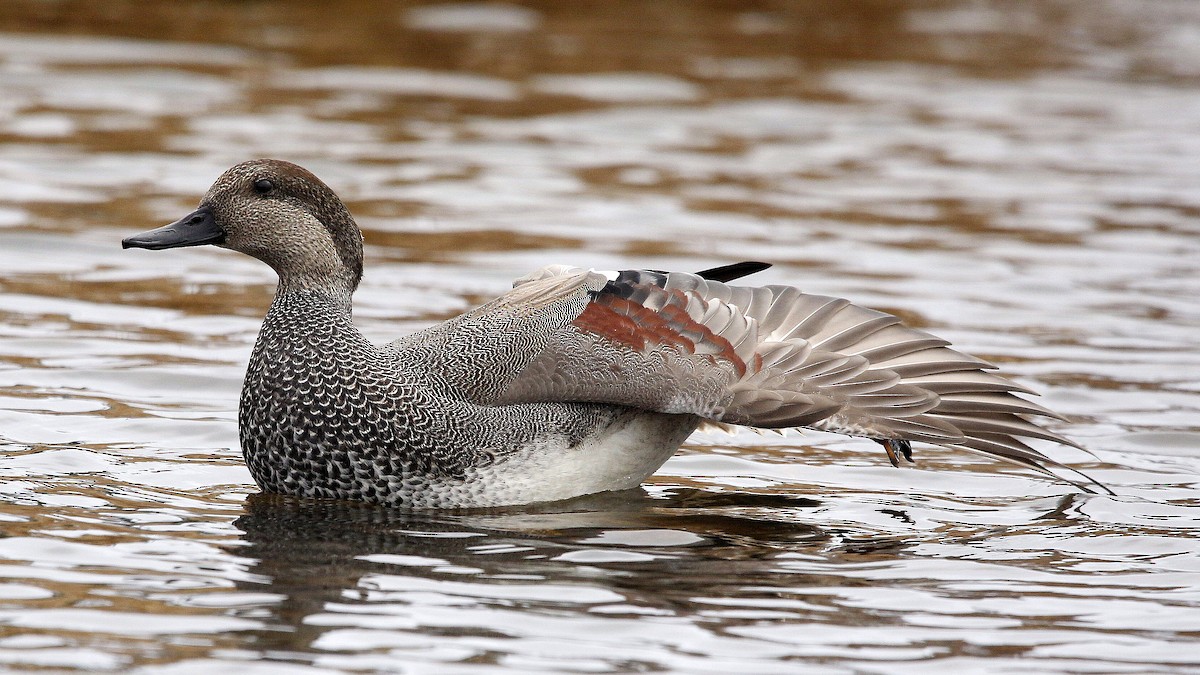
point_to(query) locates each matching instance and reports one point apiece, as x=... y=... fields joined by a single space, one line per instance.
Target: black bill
x=195 y=229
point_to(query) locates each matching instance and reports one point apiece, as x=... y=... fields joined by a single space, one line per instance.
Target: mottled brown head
x=279 y=213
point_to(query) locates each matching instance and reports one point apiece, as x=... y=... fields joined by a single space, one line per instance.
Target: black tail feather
x=726 y=273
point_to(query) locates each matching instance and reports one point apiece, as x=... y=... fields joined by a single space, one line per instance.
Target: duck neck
x=330 y=293
x=302 y=319
x=337 y=287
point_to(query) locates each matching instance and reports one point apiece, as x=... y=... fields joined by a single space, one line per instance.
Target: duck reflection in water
x=325 y=556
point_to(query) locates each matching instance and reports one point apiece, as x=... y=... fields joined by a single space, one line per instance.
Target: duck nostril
x=195 y=219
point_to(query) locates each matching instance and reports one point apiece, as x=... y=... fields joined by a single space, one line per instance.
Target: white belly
x=619 y=457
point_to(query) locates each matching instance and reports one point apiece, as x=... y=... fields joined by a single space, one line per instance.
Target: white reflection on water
x=1048 y=222
x=618 y=87
x=397 y=81
x=473 y=16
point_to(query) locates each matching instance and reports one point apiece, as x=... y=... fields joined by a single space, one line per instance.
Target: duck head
x=279 y=213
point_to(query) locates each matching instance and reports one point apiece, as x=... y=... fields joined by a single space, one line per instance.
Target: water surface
x=1020 y=178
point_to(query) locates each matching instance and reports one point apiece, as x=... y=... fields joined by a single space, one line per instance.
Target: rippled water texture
x=1020 y=177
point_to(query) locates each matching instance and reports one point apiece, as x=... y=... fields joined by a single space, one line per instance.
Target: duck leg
x=896 y=448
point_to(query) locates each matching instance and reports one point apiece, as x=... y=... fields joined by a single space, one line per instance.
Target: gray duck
x=572 y=383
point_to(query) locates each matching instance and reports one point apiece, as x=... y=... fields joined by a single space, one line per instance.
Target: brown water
x=1020 y=177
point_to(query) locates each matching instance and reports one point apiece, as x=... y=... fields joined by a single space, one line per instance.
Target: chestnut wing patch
x=634 y=326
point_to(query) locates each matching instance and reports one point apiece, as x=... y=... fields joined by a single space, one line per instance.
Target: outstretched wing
x=772 y=357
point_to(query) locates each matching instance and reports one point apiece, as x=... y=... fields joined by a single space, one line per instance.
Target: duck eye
x=262 y=186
